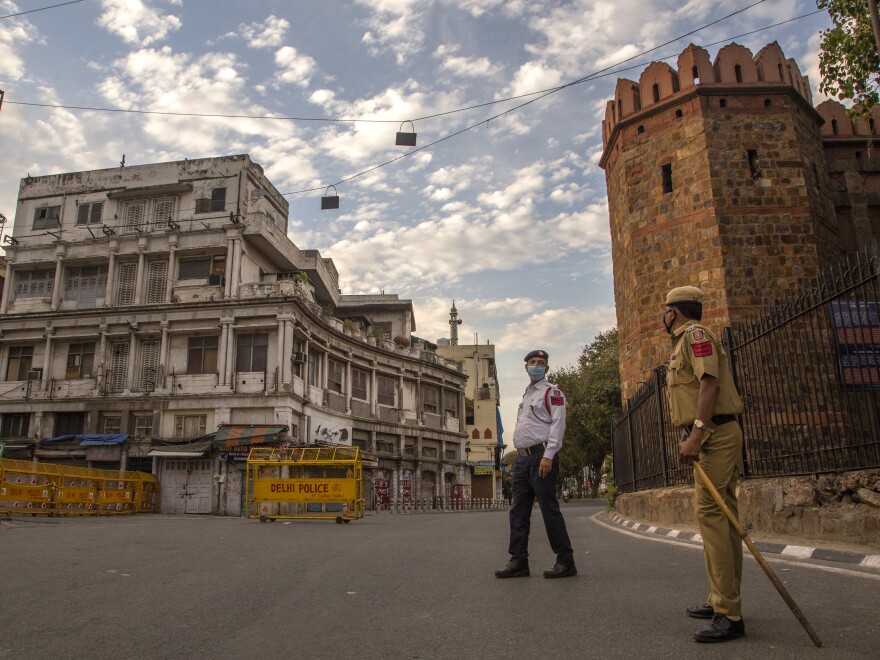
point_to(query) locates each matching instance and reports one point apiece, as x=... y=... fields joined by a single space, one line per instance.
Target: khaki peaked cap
x=684 y=294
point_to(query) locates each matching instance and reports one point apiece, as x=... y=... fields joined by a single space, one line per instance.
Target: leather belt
x=534 y=449
x=718 y=420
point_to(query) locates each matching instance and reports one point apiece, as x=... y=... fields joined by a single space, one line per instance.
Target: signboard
x=482 y=470
x=380 y=489
x=305 y=490
x=325 y=429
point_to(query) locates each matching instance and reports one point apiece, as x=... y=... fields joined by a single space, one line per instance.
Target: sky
x=508 y=218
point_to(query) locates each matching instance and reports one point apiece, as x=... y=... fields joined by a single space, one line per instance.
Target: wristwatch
x=700 y=424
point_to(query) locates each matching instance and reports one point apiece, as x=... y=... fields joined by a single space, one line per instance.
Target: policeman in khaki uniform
x=704 y=403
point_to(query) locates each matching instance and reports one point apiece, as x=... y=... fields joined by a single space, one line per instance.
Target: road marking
x=770 y=560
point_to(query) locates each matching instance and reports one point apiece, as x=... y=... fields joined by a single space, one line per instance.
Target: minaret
x=454 y=322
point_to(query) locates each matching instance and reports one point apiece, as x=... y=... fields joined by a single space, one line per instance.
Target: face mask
x=536 y=373
x=668 y=327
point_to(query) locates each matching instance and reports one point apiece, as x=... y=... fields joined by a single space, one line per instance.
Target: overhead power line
x=31 y=11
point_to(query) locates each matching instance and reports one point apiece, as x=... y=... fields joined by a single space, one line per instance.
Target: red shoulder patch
x=556 y=400
x=703 y=349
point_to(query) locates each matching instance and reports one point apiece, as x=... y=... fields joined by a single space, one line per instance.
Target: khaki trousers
x=722 y=546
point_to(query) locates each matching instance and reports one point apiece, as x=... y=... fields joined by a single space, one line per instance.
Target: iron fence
x=809 y=375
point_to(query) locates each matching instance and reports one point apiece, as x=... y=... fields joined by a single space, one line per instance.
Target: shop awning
x=232 y=435
x=92 y=439
x=182 y=450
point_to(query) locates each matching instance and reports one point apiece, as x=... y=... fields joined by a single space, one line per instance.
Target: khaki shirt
x=696 y=352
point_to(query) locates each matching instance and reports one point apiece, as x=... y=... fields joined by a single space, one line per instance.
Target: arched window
x=487 y=434
x=656 y=91
x=640 y=130
x=781 y=72
x=873 y=126
x=722 y=103
x=679 y=114
x=475 y=435
x=738 y=72
x=696 y=75
x=834 y=127
x=767 y=103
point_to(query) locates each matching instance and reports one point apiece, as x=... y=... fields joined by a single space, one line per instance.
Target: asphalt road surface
x=407 y=586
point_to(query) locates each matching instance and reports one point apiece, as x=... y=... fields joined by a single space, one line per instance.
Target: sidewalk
x=793 y=548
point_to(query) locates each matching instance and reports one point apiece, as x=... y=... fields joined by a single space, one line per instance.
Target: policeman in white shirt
x=540 y=425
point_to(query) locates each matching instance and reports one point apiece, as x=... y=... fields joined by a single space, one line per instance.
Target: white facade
x=164 y=300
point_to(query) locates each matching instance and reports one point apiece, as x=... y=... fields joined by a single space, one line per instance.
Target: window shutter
x=148 y=366
x=134 y=216
x=157 y=273
x=115 y=376
x=163 y=214
x=126 y=284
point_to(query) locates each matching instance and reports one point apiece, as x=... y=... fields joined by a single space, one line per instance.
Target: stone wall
x=839 y=508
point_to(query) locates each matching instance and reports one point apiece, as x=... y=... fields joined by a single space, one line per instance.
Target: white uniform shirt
x=541 y=418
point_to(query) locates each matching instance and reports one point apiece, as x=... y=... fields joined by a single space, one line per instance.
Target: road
x=407 y=586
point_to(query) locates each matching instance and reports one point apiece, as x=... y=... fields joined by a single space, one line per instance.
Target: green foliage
x=848 y=62
x=300 y=277
x=592 y=389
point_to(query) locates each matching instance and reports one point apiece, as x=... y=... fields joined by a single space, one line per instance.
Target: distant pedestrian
x=704 y=403
x=540 y=426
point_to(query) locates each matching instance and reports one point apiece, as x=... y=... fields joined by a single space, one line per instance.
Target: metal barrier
x=46 y=488
x=27 y=487
x=305 y=482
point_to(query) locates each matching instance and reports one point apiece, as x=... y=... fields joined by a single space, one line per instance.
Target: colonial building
x=482 y=414
x=722 y=174
x=158 y=304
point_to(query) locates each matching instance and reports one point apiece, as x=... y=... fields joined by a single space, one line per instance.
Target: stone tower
x=716 y=178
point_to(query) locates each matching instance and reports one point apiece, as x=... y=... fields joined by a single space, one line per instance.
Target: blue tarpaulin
x=92 y=440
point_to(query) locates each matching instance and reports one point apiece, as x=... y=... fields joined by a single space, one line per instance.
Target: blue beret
x=537 y=354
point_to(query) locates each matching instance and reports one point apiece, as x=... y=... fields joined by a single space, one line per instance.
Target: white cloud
x=294 y=67
x=269 y=33
x=394 y=25
x=13 y=34
x=474 y=67
x=553 y=328
x=135 y=22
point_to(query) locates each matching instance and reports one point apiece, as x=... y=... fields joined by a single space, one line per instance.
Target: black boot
x=720 y=630
x=514 y=568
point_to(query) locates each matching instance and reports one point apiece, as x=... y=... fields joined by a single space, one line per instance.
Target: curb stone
x=794 y=551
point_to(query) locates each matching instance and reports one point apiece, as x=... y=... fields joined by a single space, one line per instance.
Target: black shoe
x=701 y=611
x=720 y=630
x=561 y=570
x=513 y=569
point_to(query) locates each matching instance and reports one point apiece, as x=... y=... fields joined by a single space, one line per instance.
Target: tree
x=592 y=390
x=848 y=62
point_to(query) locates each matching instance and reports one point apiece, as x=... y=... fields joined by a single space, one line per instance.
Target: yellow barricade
x=305 y=482
x=79 y=491
x=27 y=487
x=147 y=495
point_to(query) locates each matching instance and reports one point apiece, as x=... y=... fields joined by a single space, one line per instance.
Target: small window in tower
x=619 y=109
x=738 y=72
x=873 y=126
x=722 y=103
x=752 y=155
x=656 y=92
x=679 y=114
x=858 y=155
x=666 y=175
x=781 y=72
x=696 y=75
x=834 y=126
x=767 y=103
x=640 y=130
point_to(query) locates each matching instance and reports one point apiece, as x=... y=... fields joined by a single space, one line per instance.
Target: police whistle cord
x=757 y=555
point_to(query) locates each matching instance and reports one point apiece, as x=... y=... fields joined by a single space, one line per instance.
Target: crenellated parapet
x=661 y=84
x=839 y=124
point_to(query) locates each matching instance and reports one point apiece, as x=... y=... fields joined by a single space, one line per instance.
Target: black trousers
x=528 y=486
